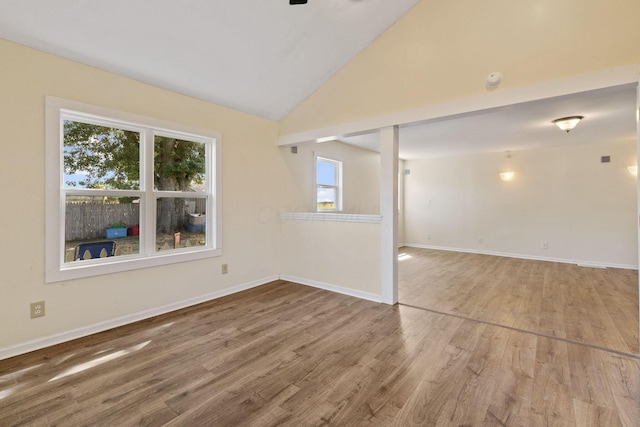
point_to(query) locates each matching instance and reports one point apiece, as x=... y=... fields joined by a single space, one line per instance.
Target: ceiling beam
x=599 y=80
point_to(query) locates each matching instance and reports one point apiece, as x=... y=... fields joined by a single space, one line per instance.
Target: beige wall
x=441 y=51
x=341 y=254
x=585 y=210
x=252 y=168
x=361 y=177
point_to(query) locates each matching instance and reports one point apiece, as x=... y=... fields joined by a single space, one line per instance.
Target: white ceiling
x=609 y=115
x=265 y=57
x=259 y=56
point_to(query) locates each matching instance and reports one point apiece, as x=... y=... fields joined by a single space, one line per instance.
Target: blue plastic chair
x=102 y=249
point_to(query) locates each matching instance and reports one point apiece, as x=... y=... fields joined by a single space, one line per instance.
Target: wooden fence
x=89 y=220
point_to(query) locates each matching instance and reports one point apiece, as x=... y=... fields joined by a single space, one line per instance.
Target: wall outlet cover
x=37 y=309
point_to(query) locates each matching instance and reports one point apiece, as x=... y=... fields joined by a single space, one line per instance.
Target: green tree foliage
x=178 y=164
x=109 y=158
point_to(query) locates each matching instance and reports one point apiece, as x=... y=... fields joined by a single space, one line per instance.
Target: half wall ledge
x=334 y=217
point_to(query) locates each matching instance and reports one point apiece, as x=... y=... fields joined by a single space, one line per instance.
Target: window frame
x=338 y=188
x=57 y=270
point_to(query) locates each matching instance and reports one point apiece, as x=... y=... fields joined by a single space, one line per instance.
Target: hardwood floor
x=289 y=355
x=590 y=305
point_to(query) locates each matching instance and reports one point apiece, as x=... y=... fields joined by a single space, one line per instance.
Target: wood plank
x=590 y=305
x=288 y=355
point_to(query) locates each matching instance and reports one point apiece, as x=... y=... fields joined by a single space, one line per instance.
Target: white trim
x=328 y=216
x=531 y=257
x=50 y=340
x=56 y=268
x=333 y=288
x=389 y=211
x=91 y=268
x=638 y=163
x=598 y=80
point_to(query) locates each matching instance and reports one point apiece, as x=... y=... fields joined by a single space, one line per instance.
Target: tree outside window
x=155 y=183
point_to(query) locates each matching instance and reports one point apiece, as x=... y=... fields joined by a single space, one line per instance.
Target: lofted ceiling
x=263 y=57
x=609 y=115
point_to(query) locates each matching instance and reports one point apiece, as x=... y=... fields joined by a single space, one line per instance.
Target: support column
x=389 y=213
x=638 y=175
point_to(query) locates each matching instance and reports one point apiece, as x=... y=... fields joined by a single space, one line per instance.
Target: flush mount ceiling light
x=507 y=176
x=567 y=123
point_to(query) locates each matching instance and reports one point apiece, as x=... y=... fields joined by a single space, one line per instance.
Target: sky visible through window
x=326 y=175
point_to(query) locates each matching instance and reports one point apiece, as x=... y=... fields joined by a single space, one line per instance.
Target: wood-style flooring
x=285 y=354
x=589 y=305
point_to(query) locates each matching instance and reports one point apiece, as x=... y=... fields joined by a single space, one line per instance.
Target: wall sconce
x=633 y=170
x=567 y=123
x=507 y=176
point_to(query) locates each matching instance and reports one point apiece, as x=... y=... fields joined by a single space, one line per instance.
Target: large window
x=126 y=192
x=328 y=185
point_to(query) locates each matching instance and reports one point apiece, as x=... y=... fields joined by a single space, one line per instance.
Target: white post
x=389 y=213
x=638 y=176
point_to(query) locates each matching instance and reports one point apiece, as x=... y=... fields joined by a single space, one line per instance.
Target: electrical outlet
x=37 y=309
x=481 y=240
x=428 y=236
x=545 y=245
x=225 y=268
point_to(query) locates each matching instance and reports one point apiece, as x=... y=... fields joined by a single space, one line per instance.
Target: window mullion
x=148 y=226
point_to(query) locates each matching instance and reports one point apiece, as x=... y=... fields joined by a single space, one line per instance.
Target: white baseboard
x=333 y=288
x=84 y=331
x=521 y=256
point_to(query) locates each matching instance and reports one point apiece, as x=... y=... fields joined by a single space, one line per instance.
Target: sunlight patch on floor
x=99 y=361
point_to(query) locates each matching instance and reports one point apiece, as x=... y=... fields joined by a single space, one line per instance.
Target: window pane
x=326 y=172
x=326 y=199
x=91 y=220
x=179 y=165
x=100 y=157
x=180 y=223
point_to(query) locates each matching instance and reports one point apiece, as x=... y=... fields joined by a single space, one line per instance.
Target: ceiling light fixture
x=567 y=123
x=507 y=176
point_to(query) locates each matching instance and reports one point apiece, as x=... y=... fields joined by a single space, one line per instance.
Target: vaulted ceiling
x=264 y=57
x=258 y=56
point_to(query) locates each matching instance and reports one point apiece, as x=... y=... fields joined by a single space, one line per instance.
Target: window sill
x=327 y=216
x=78 y=270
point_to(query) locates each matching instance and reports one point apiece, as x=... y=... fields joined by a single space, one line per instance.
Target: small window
x=328 y=185
x=127 y=192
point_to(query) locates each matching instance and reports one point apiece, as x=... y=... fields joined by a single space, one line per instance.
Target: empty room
x=509 y=183
x=342 y=212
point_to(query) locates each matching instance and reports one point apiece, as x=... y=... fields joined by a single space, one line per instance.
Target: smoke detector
x=493 y=80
